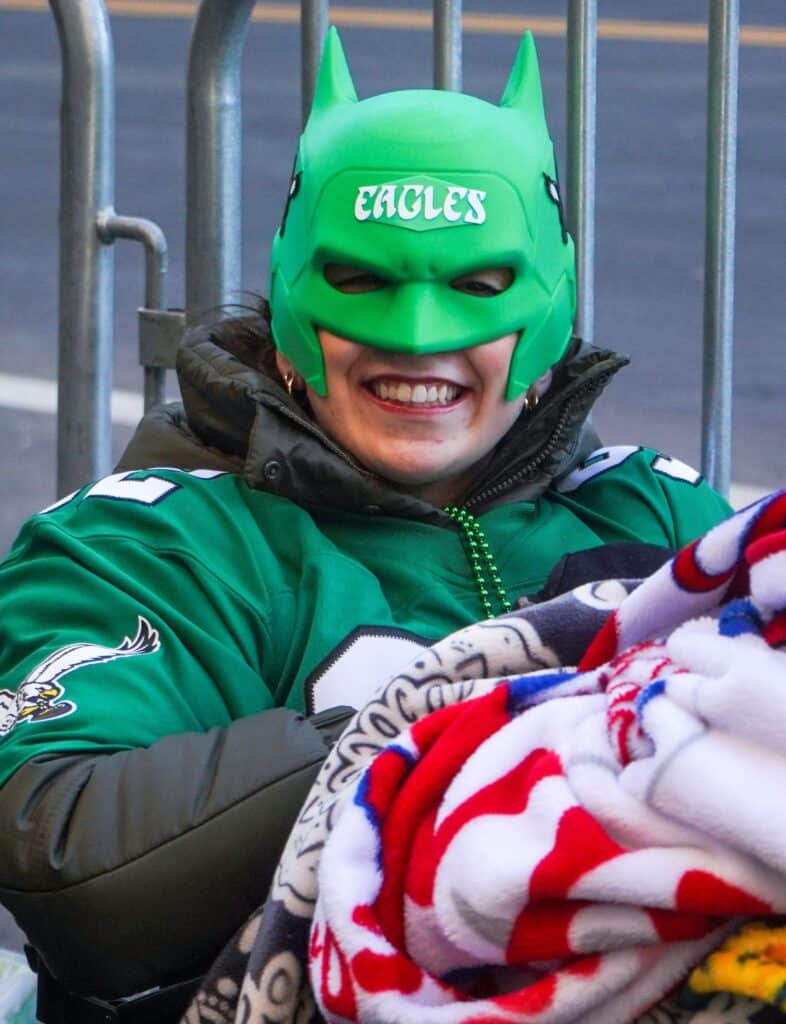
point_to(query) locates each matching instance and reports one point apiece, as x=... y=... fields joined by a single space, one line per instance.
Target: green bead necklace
x=484 y=568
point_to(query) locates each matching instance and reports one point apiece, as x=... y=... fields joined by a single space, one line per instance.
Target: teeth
x=419 y=394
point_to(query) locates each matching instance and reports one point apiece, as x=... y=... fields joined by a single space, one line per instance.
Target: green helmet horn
x=523 y=89
x=421 y=187
x=334 y=85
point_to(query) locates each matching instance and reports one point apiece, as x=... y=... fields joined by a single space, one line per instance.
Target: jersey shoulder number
x=604 y=460
x=140 y=486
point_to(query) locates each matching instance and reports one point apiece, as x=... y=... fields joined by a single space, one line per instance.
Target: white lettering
x=431 y=211
x=477 y=213
x=146 y=491
x=124 y=487
x=667 y=465
x=597 y=462
x=410 y=212
x=364 y=192
x=385 y=202
x=450 y=212
x=411 y=201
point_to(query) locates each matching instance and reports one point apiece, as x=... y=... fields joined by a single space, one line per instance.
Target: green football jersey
x=160 y=601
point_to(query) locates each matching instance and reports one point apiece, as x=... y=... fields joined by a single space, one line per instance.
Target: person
x=402 y=450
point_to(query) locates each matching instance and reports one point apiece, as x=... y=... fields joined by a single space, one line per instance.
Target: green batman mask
x=419 y=188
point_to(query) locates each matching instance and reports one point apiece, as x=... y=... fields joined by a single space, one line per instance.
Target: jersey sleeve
x=115 y=631
x=148 y=784
x=632 y=493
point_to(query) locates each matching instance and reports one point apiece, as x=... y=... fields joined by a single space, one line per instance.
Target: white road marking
x=34 y=394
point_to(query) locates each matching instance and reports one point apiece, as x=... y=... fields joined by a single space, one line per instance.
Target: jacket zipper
x=538 y=459
x=490 y=492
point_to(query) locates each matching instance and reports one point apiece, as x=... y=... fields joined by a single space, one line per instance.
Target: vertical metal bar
x=156 y=266
x=581 y=119
x=150 y=235
x=447 y=45
x=213 y=155
x=722 y=82
x=154 y=387
x=87 y=175
x=313 y=29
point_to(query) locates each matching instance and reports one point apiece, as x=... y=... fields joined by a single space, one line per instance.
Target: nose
x=419 y=316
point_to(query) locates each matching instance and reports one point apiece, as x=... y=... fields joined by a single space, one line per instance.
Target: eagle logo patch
x=41 y=697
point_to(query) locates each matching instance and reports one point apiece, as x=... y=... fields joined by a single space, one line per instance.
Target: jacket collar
x=233 y=407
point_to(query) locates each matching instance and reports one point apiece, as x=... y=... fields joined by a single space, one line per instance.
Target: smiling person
x=395 y=447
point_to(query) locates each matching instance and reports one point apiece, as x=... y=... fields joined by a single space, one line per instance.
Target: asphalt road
x=650 y=208
x=650 y=211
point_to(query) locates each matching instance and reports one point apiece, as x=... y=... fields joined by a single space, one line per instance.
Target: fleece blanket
x=499 y=838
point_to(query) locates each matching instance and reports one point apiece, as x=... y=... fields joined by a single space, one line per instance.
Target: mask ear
x=334 y=86
x=523 y=91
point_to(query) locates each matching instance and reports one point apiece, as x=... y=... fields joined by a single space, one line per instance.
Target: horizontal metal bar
x=112 y=226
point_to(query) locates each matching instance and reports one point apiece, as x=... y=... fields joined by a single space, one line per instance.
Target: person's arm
x=132 y=869
x=147 y=783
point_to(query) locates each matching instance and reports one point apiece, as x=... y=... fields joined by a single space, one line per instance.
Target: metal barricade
x=87 y=176
x=721 y=187
x=213 y=238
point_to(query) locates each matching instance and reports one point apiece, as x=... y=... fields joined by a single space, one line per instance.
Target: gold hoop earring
x=289 y=381
x=531 y=400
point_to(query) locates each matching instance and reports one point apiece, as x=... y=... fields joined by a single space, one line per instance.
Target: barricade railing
x=580 y=121
x=719 y=247
x=87 y=183
x=213 y=204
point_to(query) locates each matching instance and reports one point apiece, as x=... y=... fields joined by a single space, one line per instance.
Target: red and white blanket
x=554 y=845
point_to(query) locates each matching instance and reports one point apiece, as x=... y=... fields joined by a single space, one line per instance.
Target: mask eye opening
x=484 y=283
x=352 y=280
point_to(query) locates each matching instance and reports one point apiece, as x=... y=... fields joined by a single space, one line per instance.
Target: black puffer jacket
x=124 y=880
x=235 y=418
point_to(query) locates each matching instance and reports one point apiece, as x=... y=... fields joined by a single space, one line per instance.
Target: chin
x=414 y=476
x=435 y=484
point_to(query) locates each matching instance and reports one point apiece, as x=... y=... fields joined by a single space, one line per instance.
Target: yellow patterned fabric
x=751 y=962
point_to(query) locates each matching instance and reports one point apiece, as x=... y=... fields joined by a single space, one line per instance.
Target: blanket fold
x=539 y=843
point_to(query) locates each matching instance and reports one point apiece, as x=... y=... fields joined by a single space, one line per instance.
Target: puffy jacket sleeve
x=132 y=869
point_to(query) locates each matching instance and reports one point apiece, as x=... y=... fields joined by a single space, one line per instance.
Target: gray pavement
x=649 y=229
